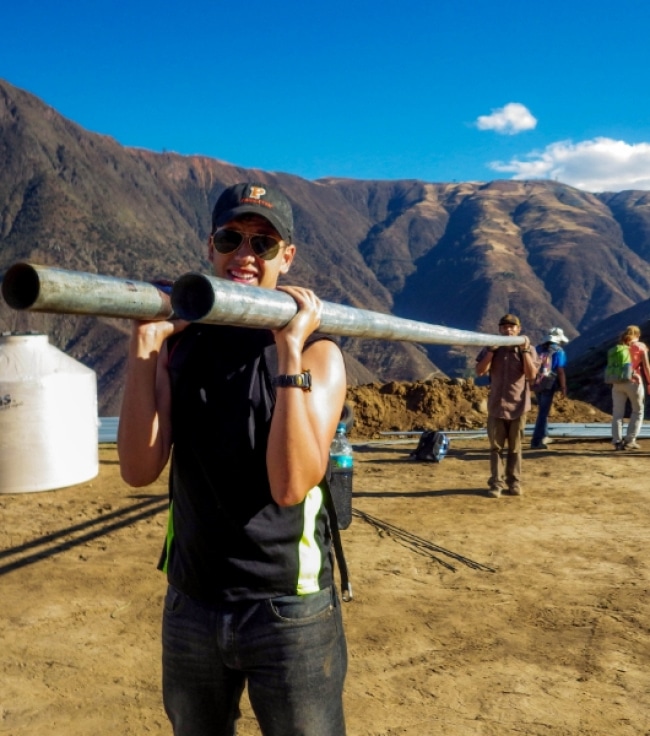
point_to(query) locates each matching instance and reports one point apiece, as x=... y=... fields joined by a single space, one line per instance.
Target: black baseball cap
x=253 y=198
x=510 y=319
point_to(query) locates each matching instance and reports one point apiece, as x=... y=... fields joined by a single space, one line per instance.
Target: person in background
x=546 y=383
x=633 y=391
x=511 y=368
x=247 y=416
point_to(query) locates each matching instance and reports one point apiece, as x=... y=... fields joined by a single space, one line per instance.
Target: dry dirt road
x=472 y=616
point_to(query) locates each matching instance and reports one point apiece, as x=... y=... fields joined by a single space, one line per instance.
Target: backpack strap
x=346 y=585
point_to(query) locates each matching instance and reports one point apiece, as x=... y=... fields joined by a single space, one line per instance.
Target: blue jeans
x=544 y=403
x=290 y=650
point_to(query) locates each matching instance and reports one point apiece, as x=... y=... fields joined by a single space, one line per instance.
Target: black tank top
x=227 y=538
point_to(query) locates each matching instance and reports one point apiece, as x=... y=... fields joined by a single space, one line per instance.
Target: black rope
x=420 y=545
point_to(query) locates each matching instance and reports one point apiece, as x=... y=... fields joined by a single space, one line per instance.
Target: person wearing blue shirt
x=548 y=382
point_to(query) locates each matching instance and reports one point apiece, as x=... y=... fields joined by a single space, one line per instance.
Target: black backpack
x=432 y=447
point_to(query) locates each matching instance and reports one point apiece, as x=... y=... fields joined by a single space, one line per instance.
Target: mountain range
x=453 y=254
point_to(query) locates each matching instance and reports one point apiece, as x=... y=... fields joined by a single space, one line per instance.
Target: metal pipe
x=199 y=298
x=45 y=289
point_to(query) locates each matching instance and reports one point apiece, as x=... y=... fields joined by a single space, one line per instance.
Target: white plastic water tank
x=48 y=416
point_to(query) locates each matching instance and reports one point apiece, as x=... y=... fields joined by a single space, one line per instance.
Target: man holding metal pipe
x=247 y=416
x=511 y=368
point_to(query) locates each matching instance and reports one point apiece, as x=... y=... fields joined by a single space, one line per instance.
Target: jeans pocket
x=174 y=600
x=303 y=608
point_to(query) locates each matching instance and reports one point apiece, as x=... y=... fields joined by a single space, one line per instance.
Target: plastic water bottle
x=342 y=467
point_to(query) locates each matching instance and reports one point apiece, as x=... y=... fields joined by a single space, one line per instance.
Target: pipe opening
x=21 y=286
x=192 y=297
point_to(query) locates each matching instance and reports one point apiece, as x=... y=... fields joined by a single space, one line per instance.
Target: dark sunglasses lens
x=227 y=241
x=265 y=247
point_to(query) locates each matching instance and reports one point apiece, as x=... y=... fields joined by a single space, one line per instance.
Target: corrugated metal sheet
x=567 y=429
x=571 y=430
x=108 y=431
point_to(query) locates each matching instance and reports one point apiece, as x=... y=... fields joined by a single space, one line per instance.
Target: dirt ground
x=471 y=615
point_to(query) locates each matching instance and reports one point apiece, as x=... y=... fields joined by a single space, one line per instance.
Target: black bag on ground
x=432 y=447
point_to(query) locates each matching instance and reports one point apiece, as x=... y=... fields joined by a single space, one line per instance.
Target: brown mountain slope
x=553 y=255
x=452 y=254
x=631 y=210
x=82 y=202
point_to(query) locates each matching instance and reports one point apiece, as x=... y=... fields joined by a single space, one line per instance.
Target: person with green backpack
x=627 y=365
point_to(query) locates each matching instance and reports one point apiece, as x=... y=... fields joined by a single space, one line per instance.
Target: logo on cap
x=257 y=192
x=254 y=198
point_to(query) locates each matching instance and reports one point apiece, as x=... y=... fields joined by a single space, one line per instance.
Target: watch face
x=299 y=380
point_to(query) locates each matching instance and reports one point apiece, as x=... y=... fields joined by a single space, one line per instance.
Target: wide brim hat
x=556 y=334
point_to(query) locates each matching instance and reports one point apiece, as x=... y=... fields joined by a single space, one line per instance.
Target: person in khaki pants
x=632 y=391
x=511 y=368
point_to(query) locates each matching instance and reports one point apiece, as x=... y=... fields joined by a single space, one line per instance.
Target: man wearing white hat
x=550 y=378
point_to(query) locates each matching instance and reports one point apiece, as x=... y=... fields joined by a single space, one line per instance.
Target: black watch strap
x=297 y=380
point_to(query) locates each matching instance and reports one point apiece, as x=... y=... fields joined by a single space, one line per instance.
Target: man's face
x=509 y=330
x=243 y=265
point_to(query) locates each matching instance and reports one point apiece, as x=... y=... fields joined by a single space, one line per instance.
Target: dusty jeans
x=290 y=650
x=502 y=434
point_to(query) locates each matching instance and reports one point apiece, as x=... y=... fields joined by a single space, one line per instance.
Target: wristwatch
x=296 y=380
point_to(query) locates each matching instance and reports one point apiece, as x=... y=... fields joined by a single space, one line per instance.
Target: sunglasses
x=263 y=246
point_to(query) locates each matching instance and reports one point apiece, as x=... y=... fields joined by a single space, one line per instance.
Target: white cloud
x=510 y=119
x=598 y=165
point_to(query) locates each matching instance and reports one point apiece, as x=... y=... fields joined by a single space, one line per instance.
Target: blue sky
x=437 y=90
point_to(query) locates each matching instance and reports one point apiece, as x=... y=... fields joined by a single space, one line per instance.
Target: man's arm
x=304 y=422
x=530 y=359
x=484 y=361
x=559 y=370
x=645 y=364
x=144 y=431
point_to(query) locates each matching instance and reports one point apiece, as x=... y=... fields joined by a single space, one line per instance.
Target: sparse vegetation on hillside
x=457 y=255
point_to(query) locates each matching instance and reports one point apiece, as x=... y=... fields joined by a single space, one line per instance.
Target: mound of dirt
x=440 y=403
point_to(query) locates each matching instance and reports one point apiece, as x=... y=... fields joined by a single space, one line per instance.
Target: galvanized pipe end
x=21 y=286
x=192 y=297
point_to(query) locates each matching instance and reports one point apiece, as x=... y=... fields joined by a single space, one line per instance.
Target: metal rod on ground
x=207 y=299
x=44 y=289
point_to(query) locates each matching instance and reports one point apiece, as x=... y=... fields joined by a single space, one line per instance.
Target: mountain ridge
x=454 y=254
